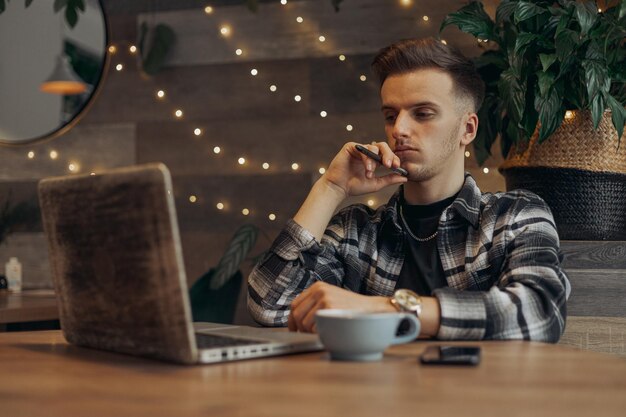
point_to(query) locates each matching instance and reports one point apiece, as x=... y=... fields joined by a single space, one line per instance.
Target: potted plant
x=555 y=76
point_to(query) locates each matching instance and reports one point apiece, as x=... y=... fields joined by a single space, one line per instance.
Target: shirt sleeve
x=294 y=262
x=528 y=300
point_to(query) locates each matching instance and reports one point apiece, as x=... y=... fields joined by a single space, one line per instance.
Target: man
x=470 y=265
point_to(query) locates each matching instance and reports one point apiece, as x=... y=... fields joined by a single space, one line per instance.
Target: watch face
x=407 y=299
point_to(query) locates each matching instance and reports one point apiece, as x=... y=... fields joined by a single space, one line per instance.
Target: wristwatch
x=407 y=301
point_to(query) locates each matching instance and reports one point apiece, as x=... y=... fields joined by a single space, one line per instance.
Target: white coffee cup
x=361 y=336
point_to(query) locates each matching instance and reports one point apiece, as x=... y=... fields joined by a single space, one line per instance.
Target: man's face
x=424 y=122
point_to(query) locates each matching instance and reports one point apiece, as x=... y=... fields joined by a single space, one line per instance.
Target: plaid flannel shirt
x=500 y=256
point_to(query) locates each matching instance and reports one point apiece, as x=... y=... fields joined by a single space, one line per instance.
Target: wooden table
x=44 y=376
x=28 y=305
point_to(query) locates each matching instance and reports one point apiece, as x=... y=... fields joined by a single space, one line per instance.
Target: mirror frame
x=63 y=129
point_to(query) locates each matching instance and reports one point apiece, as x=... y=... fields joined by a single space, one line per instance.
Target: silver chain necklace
x=408 y=229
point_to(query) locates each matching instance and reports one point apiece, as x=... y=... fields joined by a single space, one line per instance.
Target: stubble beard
x=438 y=162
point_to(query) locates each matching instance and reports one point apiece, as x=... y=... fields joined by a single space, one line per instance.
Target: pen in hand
x=377 y=158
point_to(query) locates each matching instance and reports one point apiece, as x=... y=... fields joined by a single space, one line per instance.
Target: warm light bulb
x=406 y=3
x=160 y=94
x=425 y=18
x=178 y=113
x=112 y=49
x=132 y=49
x=349 y=128
x=444 y=42
x=299 y=19
x=220 y=206
x=370 y=203
x=321 y=170
x=569 y=114
x=467 y=154
x=73 y=167
x=217 y=149
x=254 y=71
x=119 y=67
x=342 y=57
x=241 y=161
x=54 y=154
x=31 y=155
x=323 y=113
x=295 y=166
x=193 y=199
x=363 y=77
x=266 y=165
x=486 y=170
x=297 y=98
x=225 y=30
x=197 y=131
x=283 y=2
x=272 y=88
x=245 y=212
x=322 y=38
x=238 y=51
x=272 y=216
x=208 y=10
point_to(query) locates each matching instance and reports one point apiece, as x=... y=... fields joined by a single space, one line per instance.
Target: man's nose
x=401 y=126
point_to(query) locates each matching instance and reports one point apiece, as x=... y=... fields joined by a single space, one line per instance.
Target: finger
x=308 y=322
x=301 y=311
x=387 y=154
x=291 y=324
x=390 y=179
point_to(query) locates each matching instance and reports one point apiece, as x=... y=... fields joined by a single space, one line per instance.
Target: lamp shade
x=63 y=80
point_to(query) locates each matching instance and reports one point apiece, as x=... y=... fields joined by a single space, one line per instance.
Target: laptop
x=117 y=268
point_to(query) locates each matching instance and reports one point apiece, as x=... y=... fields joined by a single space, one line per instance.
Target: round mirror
x=51 y=65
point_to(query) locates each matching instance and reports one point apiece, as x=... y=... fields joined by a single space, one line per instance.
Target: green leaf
x=59 y=4
x=550 y=112
x=596 y=78
x=526 y=10
x=622 y=9
x=597 y=109
x=565 y=43
x=253 y=5
x=71 y=16
x=242 y=242
x=545 y=81
x=618 y=115
x=28 y=3
x=486 y=134
x=162 y=41
x=586 y=14
x=547 y=60
x=523 y=42
x=3 y=6
x=505 y=9
x=513 y=94
x=471 y=19
x=336 y=4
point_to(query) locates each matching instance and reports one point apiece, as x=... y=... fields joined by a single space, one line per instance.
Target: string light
x=486 y=170
x=295 y=166
x=266 y=165
x=322 y=170
x=225 y=31
x=119 y=67
x=241 y=161
x=370 y=203
x=217 y=150
x=467 y=154
x=197 y=131
x=297 y=98
x=92 y=173
x=73 y=167
x=132 y=49
x=283 y=2
x=349 y=128
x=342 y=57
x=31 y=155
x=178 y=113
x=254 y=71
x=425 y=18
x=322 y=38
x=54 y=154
x=245 y=212
x=220 y=206
x=193 y=198
x=569 y=114
x=299 y=19
x=323 y=113
x=238 y=51
x=406 y=3
x=444 y=42
x=273 y=88
x=160 y=94
x=208 y=10
x=272 y=216
x=112 y=49
x=363 y=77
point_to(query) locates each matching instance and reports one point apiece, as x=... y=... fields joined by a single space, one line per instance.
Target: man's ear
x=470 y=128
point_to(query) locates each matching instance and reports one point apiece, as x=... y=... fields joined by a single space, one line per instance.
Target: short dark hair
x=410 y=55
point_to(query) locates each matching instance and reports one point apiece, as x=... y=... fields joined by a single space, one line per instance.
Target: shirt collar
x=466 y=204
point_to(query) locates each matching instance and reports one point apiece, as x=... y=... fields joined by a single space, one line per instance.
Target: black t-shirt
x=422 y=271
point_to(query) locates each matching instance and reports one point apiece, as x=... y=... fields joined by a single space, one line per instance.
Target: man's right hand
x=353 y=173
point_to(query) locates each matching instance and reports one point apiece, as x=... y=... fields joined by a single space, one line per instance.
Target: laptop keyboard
x=211 y=341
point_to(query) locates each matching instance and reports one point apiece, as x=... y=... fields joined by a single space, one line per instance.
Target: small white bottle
x=13 y=272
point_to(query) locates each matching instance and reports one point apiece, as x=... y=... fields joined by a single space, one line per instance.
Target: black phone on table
x=451 y=355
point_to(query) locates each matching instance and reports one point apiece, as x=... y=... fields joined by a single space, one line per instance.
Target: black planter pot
x=586 y=205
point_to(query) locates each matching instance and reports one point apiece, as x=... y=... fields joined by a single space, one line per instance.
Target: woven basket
x=580 y=173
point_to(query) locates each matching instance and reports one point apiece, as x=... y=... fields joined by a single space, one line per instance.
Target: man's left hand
x=321 y=295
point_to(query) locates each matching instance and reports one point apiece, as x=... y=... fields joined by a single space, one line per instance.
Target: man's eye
x=390 y=118
x=423 y=115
